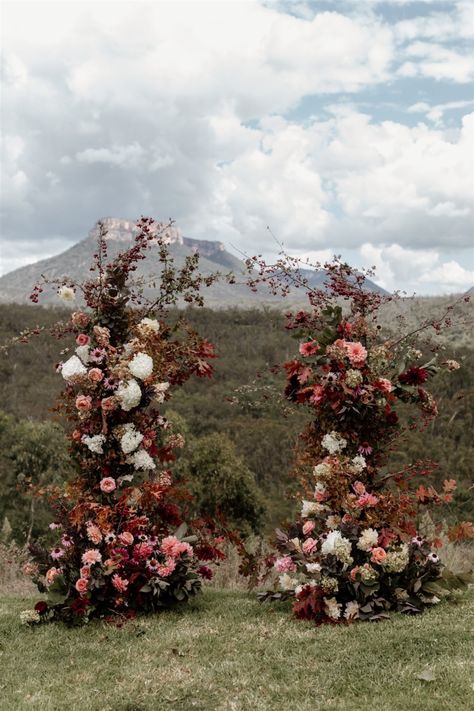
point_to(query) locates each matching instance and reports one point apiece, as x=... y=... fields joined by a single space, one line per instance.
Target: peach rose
x=81 y=585
x=126 y=538
x=95 y=375
x=82 y=339
x=378 y=555
x=83 y=402
x=107 y=485
x=85 y=571
x=51 y=574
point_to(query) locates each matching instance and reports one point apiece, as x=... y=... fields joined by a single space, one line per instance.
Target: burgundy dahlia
x=414 y=376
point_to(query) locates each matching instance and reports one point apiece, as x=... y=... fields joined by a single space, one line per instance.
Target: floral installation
x=122 y=545
x=355 y=551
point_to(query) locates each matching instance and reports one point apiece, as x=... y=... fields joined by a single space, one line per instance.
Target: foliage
x=123 y=543
x=355 y=552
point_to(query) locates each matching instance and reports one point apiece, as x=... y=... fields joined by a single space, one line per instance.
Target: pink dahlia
x=120 y=584
x=91 y=556
x=165 y=570
x=356 y=353
x=309 y=348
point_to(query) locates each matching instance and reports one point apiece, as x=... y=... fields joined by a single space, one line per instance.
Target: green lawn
x=226 y=651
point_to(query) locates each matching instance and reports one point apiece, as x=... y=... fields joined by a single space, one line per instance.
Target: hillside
x=74 y=263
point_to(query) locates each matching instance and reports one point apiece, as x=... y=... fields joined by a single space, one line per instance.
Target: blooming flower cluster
x=355 y=553
x=122 y=544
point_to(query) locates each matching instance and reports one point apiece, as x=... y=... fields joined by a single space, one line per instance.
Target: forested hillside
x=233 y=423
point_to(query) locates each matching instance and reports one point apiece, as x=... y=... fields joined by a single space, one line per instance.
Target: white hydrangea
x=160 y=390
x=287 y=582
x=311 y=507
x=368 y=539
x=352 y=610
x=65 y=293
x=141 y=365
x=397 y=560
x=358 y=464
x=83 y=353
x=333 y=442
x=336 y=544
x=321 y=470
x=94 y=443
x=149 y=324
x=131 y=439
x=313 y=567
x=129 y=394
x=332 y=608
x=29 y=617
x=73 y=369
x=141 y=460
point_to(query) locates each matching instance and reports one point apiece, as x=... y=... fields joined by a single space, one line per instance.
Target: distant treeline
x=238 y=403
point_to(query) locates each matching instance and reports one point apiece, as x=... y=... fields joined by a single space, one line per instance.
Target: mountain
x=74 y=263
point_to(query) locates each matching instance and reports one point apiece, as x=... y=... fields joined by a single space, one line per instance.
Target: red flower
x=414 y=376
x=41 y=607
x=205 y=572
x=79 y=606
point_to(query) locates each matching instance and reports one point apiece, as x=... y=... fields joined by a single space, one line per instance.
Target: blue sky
x=345 y=126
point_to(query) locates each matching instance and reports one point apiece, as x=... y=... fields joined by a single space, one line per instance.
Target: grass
x=227 y=652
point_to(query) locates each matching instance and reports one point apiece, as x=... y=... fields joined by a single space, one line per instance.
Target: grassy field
x=227 y=652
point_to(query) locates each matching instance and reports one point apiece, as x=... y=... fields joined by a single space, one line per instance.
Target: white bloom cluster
x=333 y=442
x=129 y=394
x=358 y=464
x=367 y=539
x=397 y=560
x=333 y=521
x=73 y=369
x=131 y=439
x=320 y=489
x=65 y=293
x=141 y=365
x=94 y=443
x=160 y=390
x=452 y=365
x=311 y=507
x=141 y=460
x=320 y=471
x=353 y=378
x=28 y=617
x=83 y=353
x=352 y=610
x=149 y=324
x=332 y=608
x=336 y=544
x=313 y=567
x=287 y=582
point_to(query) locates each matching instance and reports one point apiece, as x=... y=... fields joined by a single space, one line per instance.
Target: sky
x=344 y=126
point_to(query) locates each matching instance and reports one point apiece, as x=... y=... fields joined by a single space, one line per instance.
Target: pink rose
x=108 y=404
x=309 y=545
x=354 y=572
x=81 y=585
x=126 y=538
x=378 y=555
x=107 y=485
x=83 y=402
x=82 y=339
x=76 y=435
x=358 y=487
x=85 y=571
x=95 y=375
x=308 y=527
